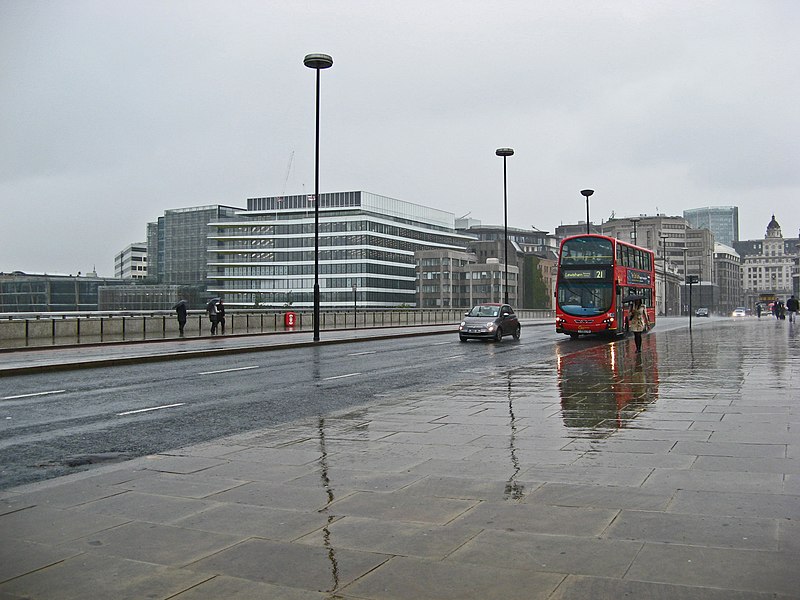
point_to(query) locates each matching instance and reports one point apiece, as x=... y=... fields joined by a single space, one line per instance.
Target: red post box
x=289 y=319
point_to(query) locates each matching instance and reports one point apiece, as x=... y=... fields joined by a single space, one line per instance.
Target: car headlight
x=462 y=325
x=491 y=327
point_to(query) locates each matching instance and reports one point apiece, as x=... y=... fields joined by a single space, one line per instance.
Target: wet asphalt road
x=54 y=423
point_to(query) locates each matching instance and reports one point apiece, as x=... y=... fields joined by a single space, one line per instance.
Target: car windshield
x=484 y=311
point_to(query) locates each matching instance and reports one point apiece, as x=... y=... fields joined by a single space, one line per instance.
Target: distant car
x=701 y=312
x=489 y=321
x=740 y=311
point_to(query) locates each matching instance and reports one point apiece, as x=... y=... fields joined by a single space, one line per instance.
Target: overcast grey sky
x=114 y=111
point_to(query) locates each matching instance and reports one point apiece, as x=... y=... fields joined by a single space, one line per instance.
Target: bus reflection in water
x=604 y=387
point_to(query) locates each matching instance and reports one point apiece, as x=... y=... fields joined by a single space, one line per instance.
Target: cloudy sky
x=113 y=111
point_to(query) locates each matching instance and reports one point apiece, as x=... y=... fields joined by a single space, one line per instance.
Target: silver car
x=489 y=321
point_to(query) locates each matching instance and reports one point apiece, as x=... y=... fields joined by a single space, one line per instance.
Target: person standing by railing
x=211 y=309
x=180 y=309
x=221 y=316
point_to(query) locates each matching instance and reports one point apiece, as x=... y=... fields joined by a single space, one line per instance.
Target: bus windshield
x=585 y=298
x=587 y=251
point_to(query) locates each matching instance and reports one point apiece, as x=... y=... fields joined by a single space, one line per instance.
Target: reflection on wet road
x=605 y=386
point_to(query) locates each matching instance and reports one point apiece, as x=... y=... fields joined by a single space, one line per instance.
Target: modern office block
x=265 y=257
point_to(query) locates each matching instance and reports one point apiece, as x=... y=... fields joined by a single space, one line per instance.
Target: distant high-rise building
x=722 y=221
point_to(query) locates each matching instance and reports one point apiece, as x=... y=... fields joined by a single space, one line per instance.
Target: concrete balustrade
x=35 y=329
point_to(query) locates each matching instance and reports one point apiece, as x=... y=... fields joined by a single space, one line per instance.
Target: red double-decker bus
x=598 y=278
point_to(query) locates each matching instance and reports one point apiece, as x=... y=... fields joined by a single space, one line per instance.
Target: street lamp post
x=635 y=220
x=664 y=269
x=587 y=193
x=506 y=152
x=685 y=276
x=317 y=62
x=714 y=297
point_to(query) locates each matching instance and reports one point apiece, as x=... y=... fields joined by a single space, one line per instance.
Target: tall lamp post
x=664 y=269
x=317 y=62
x=587 y=193
x=685 y=275
x=506 y=152
x=635 y=220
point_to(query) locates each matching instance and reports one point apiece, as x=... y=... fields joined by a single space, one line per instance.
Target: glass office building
x=265 y=257
x=722 y=221
x=177 y=244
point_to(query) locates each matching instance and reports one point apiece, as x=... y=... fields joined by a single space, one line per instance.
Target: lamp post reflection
x=328 y=488
x=513 y=490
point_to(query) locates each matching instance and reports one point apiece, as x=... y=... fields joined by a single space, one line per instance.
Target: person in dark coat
x=221 y=316
x=181 y=311
x=792 y=305
x=211 y=309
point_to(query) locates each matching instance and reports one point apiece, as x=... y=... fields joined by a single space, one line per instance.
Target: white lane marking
x=228 y=370
x=441 y=343
x=32 y=395
x=453 y=357
x=141 y=410
x=363 y=353
x=340 y=376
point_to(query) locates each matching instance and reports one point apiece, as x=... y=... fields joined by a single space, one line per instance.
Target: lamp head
x=587 y=193
x=504 y=152
x=318 y=61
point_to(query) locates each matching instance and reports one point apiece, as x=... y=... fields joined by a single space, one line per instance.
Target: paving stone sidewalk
x=596 y=474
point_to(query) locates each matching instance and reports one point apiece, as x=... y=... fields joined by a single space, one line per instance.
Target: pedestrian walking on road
x=180 y=310
x=758 y=310
x=792 y=305
x=221 y=317
x=637 y=318
x=211 y=309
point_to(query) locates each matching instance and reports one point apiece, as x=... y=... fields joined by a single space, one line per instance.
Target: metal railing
x=48 y=328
